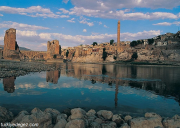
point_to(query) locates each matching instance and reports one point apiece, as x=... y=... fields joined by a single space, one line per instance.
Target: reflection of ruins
x=9 y=84
x=52 y=76
x=161 y=80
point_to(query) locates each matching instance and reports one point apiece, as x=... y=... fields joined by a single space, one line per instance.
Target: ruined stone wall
x=10 y=40
x=53 y=48
x=11 y=49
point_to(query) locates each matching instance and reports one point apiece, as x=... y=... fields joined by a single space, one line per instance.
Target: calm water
x=120 y=88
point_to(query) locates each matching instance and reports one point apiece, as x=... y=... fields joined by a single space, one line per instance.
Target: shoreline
x=79 y=118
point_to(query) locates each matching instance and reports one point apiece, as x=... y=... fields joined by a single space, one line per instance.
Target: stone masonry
x=118 y=33
x=53 y=48
x=11 y=49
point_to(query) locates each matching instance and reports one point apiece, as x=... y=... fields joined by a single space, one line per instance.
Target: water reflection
x=52 y=76
x=161 y=80
x=9 y=84
x=122 y=87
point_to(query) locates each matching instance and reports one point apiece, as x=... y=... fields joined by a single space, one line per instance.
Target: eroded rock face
x=109 y=125
x=5 y=115
x=172 y=123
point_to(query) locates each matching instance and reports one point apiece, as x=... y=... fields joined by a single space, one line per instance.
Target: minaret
x=118 y=33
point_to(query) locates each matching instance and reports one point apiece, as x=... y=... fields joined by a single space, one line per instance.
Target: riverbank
x=10 y=68
x=79 y=118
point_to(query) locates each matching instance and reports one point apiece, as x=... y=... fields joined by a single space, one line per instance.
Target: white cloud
x=105 y=26
x=71 y=20
x=84 y=30
x=35 y=41
x=64 y=10
x=1 y=38
x=65 y=1
x=118 y=4
x=58 y=12
x=10 y=24
x=100 y=23
x=120 y=14
x=1 y=14
x=83 y=20
x=33 y=11
x=168 y=24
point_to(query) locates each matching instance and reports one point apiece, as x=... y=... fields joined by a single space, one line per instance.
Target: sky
x=76 y=22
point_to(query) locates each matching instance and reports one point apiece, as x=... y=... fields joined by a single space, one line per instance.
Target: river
x=125 y=89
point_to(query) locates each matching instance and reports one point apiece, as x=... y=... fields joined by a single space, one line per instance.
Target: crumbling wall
x=11 y=48
x=53 y=49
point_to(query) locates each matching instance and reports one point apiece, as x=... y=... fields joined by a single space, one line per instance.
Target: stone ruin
x=11 y=48
x=53 y=49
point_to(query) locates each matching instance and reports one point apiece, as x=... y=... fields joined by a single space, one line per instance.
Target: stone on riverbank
x=77 y=113
x=142 y=122
x=172 y=123
x=76 y=123
x=5 y=115
x=105 y=114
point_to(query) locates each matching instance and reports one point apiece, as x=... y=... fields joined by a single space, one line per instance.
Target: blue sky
x=75 y=22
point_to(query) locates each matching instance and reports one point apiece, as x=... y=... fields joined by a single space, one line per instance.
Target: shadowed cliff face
x=9 y=84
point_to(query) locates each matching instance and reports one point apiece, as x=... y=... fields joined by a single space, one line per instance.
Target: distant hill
x=20 y=48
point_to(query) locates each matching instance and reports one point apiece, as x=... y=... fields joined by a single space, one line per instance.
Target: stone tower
x=10 y=40
x=11 y=48
x=118 y=33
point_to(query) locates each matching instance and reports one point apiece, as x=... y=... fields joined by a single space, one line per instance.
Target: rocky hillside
x=20 y=48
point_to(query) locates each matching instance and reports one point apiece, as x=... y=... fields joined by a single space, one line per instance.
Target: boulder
x=125 y=125
x=5 y=115
x=117 y=119
x=61 y=123
x=77 y=113
x=76 y=123
x=19 y=117
x=95 y=125
x=142 y=122
x=61 y=116
x=54 y=113
x=44 y=120
x=127 y=118
x=98 y=120
x=172 y=123
x=105 y=114
x=91 y=112
x=152 y=114
x=108 y=125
